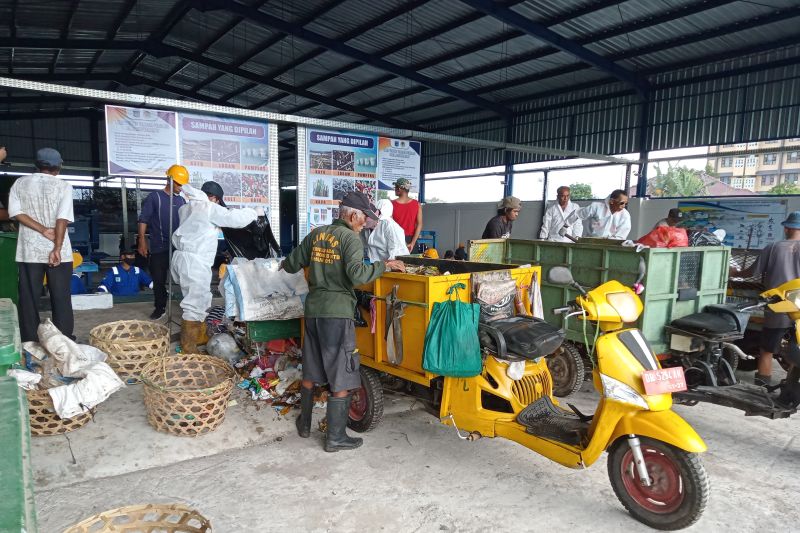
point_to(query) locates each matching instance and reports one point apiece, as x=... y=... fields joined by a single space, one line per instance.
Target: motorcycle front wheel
x=678 y=493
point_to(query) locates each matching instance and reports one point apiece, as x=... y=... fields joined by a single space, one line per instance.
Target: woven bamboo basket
x=145 y=519
x=187 y=394
x=45 y=421
x=130 y=345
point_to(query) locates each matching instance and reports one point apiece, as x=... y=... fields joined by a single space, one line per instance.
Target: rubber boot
x=188 y=336
x=790 y=390
x=337 y=438
x=303 y=421
x=202 y=334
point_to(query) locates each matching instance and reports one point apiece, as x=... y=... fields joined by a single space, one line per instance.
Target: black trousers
x=31 y=281
x=159 y=270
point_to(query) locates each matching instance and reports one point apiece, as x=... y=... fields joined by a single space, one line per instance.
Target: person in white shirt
x=555 y=218
x=607 y=219
x=387 y=240
x=42 y=204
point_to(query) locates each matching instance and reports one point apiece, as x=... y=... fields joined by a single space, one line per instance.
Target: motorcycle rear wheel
x=679 y=491
x=566 y=368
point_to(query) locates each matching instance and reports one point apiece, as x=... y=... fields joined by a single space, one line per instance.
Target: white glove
x=563 y=230
x=260 y=211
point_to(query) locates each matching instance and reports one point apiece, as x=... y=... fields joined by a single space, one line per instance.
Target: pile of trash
x=75 y=375
x=423 y=270
x=273 y=374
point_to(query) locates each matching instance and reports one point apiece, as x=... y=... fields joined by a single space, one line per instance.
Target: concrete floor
x=412 y=474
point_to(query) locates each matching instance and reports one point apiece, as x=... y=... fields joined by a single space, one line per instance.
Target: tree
x=710 y=170
x=434 y=200
x=677 y=181
x=580 y=191
x=785 y=188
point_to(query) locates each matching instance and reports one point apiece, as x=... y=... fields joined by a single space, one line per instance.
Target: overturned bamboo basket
x=187 y=394
x=44 y=419
x=130 y=345
x=151 y=518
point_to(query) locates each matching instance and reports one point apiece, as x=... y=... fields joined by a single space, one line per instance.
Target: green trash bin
x=679 y=281
x=17 y=511
x=9 y=281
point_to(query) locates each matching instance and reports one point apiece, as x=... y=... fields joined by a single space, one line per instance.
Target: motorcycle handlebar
x=562 y=310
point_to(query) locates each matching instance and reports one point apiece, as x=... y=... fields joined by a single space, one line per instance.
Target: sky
x=528 y=180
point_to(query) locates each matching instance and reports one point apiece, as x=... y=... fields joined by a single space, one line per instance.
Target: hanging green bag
x=452 y=347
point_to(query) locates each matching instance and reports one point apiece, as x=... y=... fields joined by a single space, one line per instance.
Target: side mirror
x=560 y=275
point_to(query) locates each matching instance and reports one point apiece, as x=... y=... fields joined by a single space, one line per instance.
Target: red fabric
x=406 y=215
x=665 y=237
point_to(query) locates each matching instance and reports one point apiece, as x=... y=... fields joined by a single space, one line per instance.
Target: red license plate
x=664 y=380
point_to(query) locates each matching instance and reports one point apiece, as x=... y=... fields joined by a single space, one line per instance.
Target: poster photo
x=748 y=224
x=338 y=162
x=231 y=152
x=398 y=158
x=140 y=142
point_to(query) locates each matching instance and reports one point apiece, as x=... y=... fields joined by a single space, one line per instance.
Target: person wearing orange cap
x=154 y=219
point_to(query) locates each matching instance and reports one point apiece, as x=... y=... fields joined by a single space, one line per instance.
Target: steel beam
x=402 y=9
x=267 y=43
x=338 y=47
x=621 y=29
x=158 y=49
x=544 y=34
x=442 y=29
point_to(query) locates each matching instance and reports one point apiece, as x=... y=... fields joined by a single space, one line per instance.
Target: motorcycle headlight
x=794 y=297
x=617 y=390
x=624 y=303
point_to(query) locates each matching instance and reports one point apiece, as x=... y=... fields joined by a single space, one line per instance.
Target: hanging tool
x=395 y=309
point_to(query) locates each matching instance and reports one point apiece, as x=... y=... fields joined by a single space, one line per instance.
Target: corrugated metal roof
x=464 y=62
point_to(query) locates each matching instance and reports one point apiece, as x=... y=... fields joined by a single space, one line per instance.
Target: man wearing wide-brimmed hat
x=499 y=226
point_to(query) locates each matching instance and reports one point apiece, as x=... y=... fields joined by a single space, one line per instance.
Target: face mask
x=128 y=260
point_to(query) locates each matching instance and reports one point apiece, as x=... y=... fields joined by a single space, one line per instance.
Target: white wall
x=456 y=223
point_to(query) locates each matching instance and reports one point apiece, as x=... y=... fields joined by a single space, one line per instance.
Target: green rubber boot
x=303 y=421
x=337 y=438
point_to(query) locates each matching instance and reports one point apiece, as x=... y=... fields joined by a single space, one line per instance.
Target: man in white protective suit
x=387 y=240
x=195 y=243
x=554 y=222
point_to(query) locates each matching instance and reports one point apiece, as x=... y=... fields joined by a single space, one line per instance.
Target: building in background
x=757 y=172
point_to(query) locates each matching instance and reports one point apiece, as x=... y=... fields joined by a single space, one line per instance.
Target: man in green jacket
x=334 y=256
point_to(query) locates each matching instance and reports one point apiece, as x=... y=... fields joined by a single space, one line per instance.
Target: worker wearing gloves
x=607 y=219
x=334 y=257
x=195 y=243
x=555 y=218
x=387 y=239
x=125 y=279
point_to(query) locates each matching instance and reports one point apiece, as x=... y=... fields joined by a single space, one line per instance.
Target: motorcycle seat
x=705 y=324
x=520 y=337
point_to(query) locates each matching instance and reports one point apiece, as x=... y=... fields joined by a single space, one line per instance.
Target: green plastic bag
x=452 y=347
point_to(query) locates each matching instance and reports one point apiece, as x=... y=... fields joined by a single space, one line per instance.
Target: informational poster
x=140 y=142
x=338 y=162
x=398 y=158
x=748 y=224
x=231 y=152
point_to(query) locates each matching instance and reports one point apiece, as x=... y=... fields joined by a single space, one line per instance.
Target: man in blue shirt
x=125 y=279
x=154 y=219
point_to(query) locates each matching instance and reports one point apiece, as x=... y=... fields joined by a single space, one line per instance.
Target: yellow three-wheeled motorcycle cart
x=653 y=463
